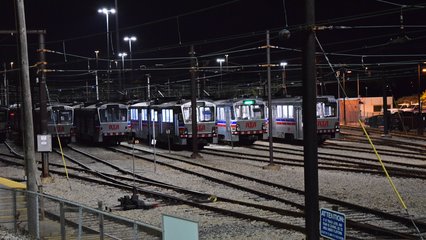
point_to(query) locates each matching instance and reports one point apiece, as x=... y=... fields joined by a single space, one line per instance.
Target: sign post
x=332 y=224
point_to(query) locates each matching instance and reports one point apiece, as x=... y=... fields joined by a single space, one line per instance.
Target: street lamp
x=122 y=55
x=130 y=40
x=107 y=12
x=283 y=64
x=220 y=61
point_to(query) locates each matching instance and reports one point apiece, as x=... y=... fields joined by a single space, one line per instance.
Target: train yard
x=228 y=188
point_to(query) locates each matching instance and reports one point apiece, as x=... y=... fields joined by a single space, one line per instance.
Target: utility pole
x=29 y=152
x=310 y=137
x=6 y=103
x=43 y=103
x=344 y=95
x=193 y=70
x=385 y=109
x=268 y=63
x=420 y=129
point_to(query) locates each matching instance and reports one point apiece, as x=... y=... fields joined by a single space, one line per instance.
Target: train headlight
x=237 y=127
x=337 y=127
x=213 y=130
x=263 y=126
x=186 y=131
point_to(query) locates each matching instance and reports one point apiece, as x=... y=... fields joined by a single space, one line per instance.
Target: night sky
x=165 y=30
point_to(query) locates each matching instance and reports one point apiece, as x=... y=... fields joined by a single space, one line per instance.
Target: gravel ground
x=8 y=235
x=367 y=190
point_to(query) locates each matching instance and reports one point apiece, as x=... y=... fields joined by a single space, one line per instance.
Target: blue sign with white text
x=332 y=224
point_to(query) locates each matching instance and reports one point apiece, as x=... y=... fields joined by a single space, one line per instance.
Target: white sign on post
x=175 y=228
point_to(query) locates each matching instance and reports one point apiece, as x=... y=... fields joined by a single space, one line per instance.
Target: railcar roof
x=235 y=100
x=104 y=105
x=182 y=102
x=141 y=104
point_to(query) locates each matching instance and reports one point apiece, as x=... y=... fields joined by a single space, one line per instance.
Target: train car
x=241 y=120
x=172 y=121
x=287 y=118
x=138 y=113
x=4 y=123
x=102 y=123
x=60 y=122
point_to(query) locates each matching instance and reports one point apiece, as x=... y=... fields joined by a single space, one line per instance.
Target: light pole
x=96 y=75
x=220 y=61
x=130 y=40
x=107 y=12
x=283 y=64
x=122 y=55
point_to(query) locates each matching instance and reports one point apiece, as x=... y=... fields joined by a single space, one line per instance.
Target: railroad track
x=355 y=159
x=326 y=161
x=325 y=201
x=358 y=227
x=408 y=135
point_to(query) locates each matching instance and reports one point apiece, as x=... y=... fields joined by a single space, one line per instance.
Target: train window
x=205 y=114
x=258 y=111
x=330 y=110
x=290 y=111
x=246 y=112
x=65 y=116
x=134 y=114
x=154 y=115
x=220 y=113
x=113 y=114
x=144 y=114
x=167 y=115
x=187 y=114
x=279 y=111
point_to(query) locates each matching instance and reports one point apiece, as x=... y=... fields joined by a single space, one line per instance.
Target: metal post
x=385 y=110
x=80 y=222
x=135 y=231
x=62 y=220
x=268 y=59
x=310 y=126
x=344 y=96
x=43 y=104
x=101 y=221
x=109 y=62
x=193 y=71
x=15 y=211
x=96 y=75
x=419 y=92
x=117 y=43
x=29 y=151
x=5 y=85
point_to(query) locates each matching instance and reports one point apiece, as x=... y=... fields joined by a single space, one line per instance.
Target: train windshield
x=204 y=114
x=249 y=112
x=60 y=117
x=326 y=109
x=113 y=114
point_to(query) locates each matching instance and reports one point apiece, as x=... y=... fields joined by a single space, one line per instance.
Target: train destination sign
x=332 y=224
